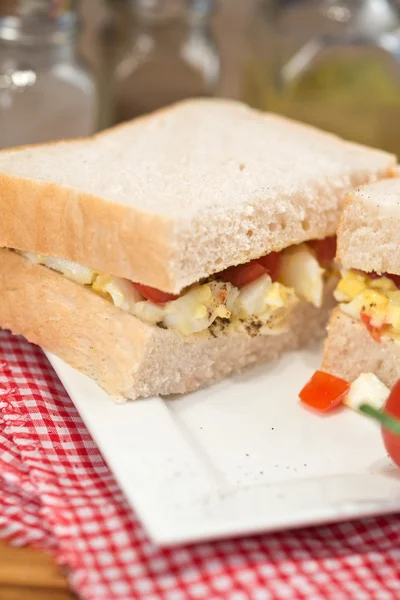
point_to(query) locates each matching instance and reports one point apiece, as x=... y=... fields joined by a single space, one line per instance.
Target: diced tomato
x=375 y=332
x=243 y=274
x=154 y=295
x=324 y=391
x=272 y=263
x=325 y=249
x=390 y=439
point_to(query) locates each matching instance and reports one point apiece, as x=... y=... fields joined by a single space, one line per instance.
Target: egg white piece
x=68 y=268
x=123 y=293
x=251 y=297
x=301 y=271
x=367 y=389
x=353 y=308
x=149 y=312
x=198 y=308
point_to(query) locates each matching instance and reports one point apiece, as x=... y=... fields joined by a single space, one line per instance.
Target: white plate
x=240 y=457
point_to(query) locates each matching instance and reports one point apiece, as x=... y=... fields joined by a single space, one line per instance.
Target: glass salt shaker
x=169 y=54
x=45 y=92
x=331 y=63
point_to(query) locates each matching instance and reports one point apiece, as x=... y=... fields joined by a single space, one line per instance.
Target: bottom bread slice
x=127 y=357
x=350 y=350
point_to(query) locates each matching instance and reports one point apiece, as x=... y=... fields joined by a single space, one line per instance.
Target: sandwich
x=364 y=329
x=173 y=250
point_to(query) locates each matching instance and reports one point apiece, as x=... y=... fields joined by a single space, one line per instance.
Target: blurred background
x=68 y=68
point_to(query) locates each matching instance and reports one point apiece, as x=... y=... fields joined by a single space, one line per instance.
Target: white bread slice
x=126 y=356
x=349 y=350
x=368 y=235
x=178 y=195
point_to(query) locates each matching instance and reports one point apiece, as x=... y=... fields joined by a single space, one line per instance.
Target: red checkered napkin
x=57 y=493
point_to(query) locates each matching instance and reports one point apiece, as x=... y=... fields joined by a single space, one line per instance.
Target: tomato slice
x=243 y=274
x=325 y=249
x=272 y=263
x=324 y=391
x=375 y=332
x=390 y=439
x=154 y=295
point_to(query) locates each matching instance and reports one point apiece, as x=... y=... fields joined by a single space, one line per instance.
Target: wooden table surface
x=27 y=574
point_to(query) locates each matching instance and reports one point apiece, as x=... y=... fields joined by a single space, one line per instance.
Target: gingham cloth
x=57 y=493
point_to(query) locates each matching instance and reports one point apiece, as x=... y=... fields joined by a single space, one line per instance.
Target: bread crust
x=127 y=357
x=349 y=350
x=368 y=233
x=48 y=219
x=278 y=200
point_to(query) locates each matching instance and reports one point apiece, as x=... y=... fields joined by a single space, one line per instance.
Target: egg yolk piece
x=372 y=299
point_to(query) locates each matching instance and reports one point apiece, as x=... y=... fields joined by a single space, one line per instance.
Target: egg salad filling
x=259 y=303
x=373 y=299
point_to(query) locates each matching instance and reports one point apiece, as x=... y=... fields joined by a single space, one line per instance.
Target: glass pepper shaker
x=168 y=55
x=332 y=63
x=45 y=93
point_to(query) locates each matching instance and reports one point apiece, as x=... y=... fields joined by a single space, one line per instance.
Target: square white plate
x=240 y=457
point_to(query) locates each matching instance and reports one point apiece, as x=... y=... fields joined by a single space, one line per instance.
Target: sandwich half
x=169 y=252
x=364 y=330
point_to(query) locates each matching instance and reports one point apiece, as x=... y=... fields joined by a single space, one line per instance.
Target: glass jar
x=332 y=63
x=166 y=54
x=45 y=93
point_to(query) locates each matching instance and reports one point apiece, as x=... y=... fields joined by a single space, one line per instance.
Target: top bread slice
x=369 y=230
x=185 y=192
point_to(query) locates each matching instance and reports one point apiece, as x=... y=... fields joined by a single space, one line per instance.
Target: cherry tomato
x=325 y=249
x=324 y=391
x=243 y=274
x=272 y=263
x=375 y=332
x=154 y=295
x=390 y=439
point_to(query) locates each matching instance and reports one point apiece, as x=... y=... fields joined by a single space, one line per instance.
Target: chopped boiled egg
x=262 y=297
x=71 y=270
x=393 y=309
x=300 y=270
x=196 y=309
x=122 y=292
x=279 y=296
x=149 y=312
x=374 y=298
x=251 y=298
x=366 y=389
x=260 y=306
x=350 y=285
